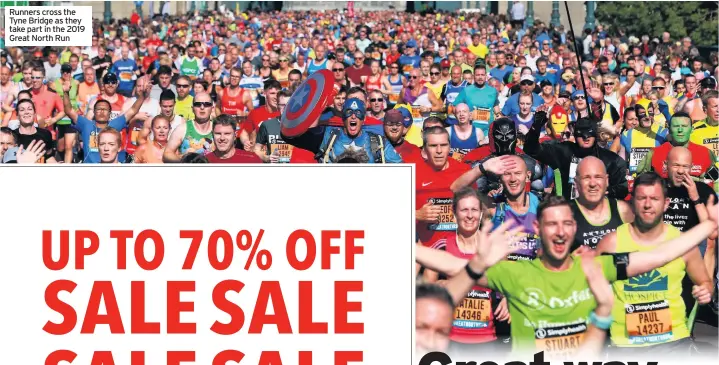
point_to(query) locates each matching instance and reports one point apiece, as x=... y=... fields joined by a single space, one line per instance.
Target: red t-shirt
x=240 y=156
x=300 y=155
x=409 y=153
x=433 y=186
x=474 y=318
x=257 y=117
x=701 y=159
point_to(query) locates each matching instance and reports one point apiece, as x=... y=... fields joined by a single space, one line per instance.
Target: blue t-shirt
x=547 y=76
x=89 y=130
x=511 y=106
x=125 y=71
x=499 y=74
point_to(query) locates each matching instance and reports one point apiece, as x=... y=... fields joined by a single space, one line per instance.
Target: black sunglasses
x=376 y=100
x=338 y=69
x=199 y=104
x=434 y=73
x=182 y=86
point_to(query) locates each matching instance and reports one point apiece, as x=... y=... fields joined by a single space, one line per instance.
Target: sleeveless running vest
x=453 y=91
x=529 y=242
x=458 y=148
x=194 y=141
x=396 y=89
x=373 y=85
x=589 y=234
x=437 y=90
x=190 y=68
x=312 y=67
x=649 y=309
x=473 y=318
x=232 y=104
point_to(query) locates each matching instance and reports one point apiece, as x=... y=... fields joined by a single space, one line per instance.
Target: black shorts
x=64 y=129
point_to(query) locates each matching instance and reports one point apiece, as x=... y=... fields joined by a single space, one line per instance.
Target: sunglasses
x=182 y=86
x=376 y=100
x=434 y=73
x=414 y=77
x=200 y=104
x=338 y=69
x=658 y=87
x=526 y=83
x=608 y=84
x=579 y=98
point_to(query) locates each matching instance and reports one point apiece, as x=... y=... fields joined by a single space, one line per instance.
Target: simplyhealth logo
x=440 y=358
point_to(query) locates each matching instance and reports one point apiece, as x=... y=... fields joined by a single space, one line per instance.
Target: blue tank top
x=460 y=146
x=529 y=242
x=396 y=86
x=453 y=92
x=312 y=68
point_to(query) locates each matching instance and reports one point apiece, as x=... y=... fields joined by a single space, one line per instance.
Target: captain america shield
x=307 y=103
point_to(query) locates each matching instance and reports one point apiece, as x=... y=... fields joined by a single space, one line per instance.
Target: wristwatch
x=472 y=274
x=696 y=202
x=481 y=169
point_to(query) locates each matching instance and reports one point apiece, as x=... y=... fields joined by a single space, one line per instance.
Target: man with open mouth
x=331 y=144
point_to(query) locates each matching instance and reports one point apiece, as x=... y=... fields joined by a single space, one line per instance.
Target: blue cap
x=412 y=44
x=577 y=93
x=407 y=116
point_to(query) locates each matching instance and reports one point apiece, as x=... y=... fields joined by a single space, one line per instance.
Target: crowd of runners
x=547 y=169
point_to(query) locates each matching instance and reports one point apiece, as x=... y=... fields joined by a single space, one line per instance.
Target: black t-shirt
x=42 y=135
x=681 y=212
x=98 y=61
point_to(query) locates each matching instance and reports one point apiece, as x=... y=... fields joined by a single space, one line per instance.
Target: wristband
x=472 y=274
x=697 y=202
x=600 y=322
x=481 y=169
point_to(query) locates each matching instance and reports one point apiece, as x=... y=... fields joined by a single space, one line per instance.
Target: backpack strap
x=324 y=153
x=377 y=147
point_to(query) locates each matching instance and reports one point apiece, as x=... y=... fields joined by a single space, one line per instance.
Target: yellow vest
x=649 y=309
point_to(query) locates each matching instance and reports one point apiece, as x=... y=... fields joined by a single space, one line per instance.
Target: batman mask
x=585 y=128
x=504 y=136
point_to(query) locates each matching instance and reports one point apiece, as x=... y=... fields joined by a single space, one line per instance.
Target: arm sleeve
x=310 y=140
x=261 y=138
x=549 y=153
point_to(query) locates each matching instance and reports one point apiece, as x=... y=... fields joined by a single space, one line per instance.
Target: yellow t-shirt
x=480 y=51
x=706 y=135
x=184 y=108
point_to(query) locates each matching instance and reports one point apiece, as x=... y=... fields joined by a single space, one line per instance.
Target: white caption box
x=48 y=26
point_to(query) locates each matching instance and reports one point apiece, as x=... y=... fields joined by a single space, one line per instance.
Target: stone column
x=529 y=22
x=509 y=9
x=589 y=24
x=108 y=11
x=555 y=22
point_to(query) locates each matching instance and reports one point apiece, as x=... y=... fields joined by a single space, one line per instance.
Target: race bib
x=474 y=312
x=394 y=98
x=407 y=68
x=126 y=76
x=480 y=114
x=134 y=135
x=283 y=150
x=561 y=341
x=649 y=322
x=416 y=113
x=712 y=144
x=459 y=153
x=636 y=156
x=285 y=84
x=446 y=217
x=94 y=142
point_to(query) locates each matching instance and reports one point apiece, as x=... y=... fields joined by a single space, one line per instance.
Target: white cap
x=526 y=77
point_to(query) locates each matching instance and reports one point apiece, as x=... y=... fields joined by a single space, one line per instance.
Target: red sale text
x=253 y=302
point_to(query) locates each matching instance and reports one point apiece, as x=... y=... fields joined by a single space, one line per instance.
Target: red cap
x=445 y=64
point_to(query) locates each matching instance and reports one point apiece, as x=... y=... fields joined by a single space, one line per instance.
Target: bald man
x=463 y=136
x=687 y=197
x=596 y=213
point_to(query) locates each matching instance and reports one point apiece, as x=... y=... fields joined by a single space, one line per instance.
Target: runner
x=234 y=100
x=248 y=130
x=269 y=146
x=331 y=144
x=481 y=99
x=463 y=136
x=89 y=130
x=396 y=126
x=28 y=132
x=433 y=312
x=109 y=144
x=194 y=135
x=223 y=138
x=533 y=287
x=649 y=312
x=595 y=213
x=152 y=151
x=564 y=156
x=706 y=132
x=638 y=142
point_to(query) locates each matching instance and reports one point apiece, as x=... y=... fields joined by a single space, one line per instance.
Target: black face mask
x=504 y=136
x=585 y=129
